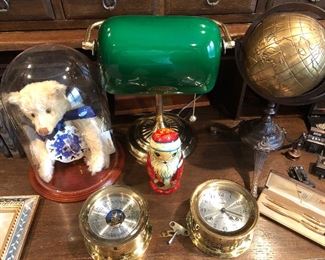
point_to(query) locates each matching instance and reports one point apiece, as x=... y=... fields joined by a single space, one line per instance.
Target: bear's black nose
x=165 y=162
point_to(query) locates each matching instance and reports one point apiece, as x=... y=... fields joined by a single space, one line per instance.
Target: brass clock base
x=140 y=133
x=132 y=250
x=233 y=249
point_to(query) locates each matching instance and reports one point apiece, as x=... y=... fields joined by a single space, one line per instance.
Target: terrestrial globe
x=285 y=55
x=282 y=58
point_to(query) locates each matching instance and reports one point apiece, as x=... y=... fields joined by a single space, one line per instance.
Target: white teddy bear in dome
x=63 y=130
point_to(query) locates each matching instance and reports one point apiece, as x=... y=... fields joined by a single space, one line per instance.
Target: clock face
x=224 y=210
x=114 y=217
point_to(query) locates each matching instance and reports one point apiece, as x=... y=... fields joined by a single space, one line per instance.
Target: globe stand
x=264 y=136
x=254 y=131
x=140 y=132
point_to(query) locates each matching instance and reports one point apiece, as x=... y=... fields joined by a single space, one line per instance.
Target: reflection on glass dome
x=50 y=62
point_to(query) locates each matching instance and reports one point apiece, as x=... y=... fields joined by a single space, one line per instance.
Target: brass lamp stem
x=159 y=113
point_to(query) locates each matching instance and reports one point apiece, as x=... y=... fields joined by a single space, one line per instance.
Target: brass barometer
x=114 y=224
x=222 y=218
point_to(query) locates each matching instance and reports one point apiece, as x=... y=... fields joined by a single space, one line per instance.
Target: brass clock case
x=213 y=241
x=130 y=246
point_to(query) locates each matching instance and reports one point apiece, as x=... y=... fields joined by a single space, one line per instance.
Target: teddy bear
x=63 y=128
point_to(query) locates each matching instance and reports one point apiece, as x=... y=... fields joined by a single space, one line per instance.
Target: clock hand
x=231 y=212
x=235 y=204
x=231 y=204
x=213 y=214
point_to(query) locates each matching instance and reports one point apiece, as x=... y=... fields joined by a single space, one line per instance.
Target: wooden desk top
x=55 y=234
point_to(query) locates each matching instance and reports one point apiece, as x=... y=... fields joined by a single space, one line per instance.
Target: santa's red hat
x=165 y=140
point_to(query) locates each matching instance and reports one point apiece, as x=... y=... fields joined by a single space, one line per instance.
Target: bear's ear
x=59 y=89
x=14 y=98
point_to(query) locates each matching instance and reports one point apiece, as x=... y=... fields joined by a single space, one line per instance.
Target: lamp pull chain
x=193 y=117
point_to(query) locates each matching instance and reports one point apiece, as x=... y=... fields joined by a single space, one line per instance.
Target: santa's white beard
x=165 y=170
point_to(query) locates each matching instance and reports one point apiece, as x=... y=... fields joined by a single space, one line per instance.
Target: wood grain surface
x=55 y=233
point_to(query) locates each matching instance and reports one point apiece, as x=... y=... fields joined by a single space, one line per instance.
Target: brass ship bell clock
x=221 y=220
x=114 y=222
x=156 y=55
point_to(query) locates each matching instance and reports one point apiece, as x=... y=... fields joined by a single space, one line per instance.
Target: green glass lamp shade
x=159 y=54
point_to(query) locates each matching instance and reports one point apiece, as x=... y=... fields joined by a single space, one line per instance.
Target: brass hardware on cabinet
x=109 y=4
x=213 y=3
x=4 y=5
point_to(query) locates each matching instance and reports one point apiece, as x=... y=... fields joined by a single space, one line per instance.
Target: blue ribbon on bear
x=74 y=114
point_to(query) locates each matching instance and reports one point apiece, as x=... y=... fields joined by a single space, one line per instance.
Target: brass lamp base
x=140 y=133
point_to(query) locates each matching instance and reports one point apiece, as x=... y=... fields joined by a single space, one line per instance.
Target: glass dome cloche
x=60 y=114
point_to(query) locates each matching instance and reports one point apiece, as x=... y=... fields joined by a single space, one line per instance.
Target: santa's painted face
x=165 y=164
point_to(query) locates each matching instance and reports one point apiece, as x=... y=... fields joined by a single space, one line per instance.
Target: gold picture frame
x=16 y=215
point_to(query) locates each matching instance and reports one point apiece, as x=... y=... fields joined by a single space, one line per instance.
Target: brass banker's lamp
x=158 y=55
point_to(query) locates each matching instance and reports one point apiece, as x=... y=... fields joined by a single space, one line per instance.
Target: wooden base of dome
x=73 y=182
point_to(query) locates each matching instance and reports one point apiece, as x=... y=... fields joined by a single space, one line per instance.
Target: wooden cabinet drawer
x=16 y=10
x=78 y=9
x=272 y=3
x=203 y=7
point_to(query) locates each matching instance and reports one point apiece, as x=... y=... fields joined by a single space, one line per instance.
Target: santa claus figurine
x=165 y=161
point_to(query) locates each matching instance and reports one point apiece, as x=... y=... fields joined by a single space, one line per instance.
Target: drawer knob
x=213 y=3
x=109 y=4
x=4 y=5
